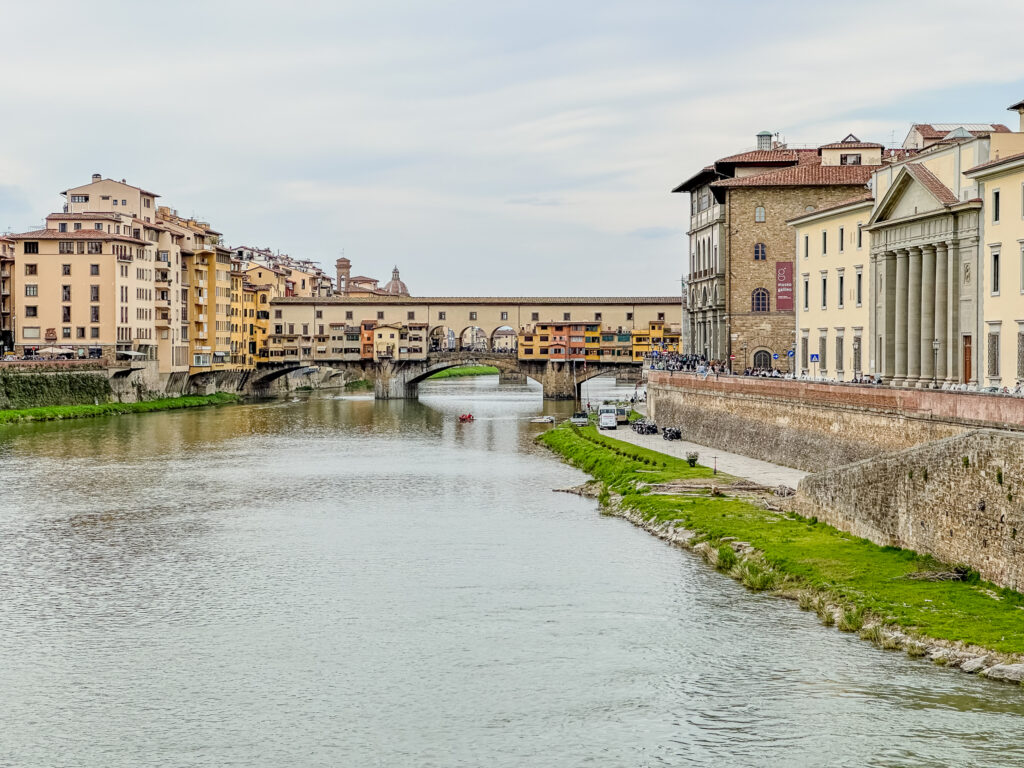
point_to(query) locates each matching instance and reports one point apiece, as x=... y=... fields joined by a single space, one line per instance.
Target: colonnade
x=925 y=322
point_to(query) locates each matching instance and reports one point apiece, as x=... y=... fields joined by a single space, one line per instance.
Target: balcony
x=200 y=318
x=163 y=321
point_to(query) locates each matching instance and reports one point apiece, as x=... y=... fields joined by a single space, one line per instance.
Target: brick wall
x=958 y=499
x=773 y=331
x=816 y=426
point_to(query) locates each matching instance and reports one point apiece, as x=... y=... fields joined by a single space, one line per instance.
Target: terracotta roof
x=851 y=145
x=997 y=161
x=764 y=157
x=803 y=176
x=80 y=216
x=863 y=198
x=81 y=234
x=929 y=181
x=500 y=300
x=1018 y=105
x=929 y=131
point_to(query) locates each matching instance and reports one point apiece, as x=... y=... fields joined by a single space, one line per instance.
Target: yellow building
x=833 y=258
x=399 y=341
x=1001 y=187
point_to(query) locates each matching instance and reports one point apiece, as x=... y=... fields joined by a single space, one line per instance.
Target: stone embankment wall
x=960 y=499
x=815 y=426
x=35 y=390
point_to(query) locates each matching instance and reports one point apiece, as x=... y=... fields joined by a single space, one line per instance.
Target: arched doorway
x=473 y=339
x=504 y=340
x=762 y=359
x=442 y=339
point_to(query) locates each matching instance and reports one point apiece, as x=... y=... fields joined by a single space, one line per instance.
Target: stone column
x=952 y=314
x=889 y=309
x=914 y=316
x=927 y=314
x=941 y=309
x=899 y=331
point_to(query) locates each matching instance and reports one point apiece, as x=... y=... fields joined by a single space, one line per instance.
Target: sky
x=525 y=148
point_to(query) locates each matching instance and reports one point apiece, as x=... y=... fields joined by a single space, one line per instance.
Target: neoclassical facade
x=924 y=277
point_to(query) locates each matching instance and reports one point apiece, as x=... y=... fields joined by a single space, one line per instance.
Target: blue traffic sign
x=775 y=356
x=815 y=358
x=791 y=353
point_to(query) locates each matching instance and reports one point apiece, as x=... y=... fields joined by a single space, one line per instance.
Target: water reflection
x=338 y=581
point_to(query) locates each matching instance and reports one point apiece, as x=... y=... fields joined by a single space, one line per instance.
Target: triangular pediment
x=914 y=192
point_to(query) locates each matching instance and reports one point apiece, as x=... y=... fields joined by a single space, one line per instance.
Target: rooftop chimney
x=764 y=140
x=96 y=177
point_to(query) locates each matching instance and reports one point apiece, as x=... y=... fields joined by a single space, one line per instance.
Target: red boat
x=466 y=417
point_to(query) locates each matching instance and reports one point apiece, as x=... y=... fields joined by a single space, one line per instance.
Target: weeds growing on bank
x=55 y=412
x=465 y=370
x=804 y=554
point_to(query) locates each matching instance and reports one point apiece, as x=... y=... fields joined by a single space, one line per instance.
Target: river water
x=341 y=582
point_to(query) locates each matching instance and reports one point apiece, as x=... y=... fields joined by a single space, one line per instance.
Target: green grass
x=359 y=385
x=466 y=370
x=865 y=577
x=55 y=412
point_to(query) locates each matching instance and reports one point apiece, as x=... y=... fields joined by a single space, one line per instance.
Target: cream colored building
x=1001 y=278
x=832 y=261
x=929 y=260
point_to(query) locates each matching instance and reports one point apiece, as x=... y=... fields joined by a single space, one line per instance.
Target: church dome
x=395 y=286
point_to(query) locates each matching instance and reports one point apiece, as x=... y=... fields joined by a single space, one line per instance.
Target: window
x=65 y=269
x=31 y=269
x=79 y=198
x=31 y=311
x=852 y=159
x=629 y=316
x=79 y=246
x=993 y=354
x=442 y=315
x=759 y=214
x=566 y=315
x=995 y=274
x=841 y=285
x=320 y=314
x=305 y=329
x=291 y=329
x=858 y=285
x=759 y=300
x=31 y=289
x=380 y=315
x=1020 y=353
x=807 y=246
x=824 y=243
x=95 y=248
x=824 y=291
x=472 y=315
x=842 y=236
x=65 y=246
x=62 y=227
x=839 y=354
x=410 y=316
x=94 y=314
x=597 y=317
x=535 y=316
x=807 y=293
x=995 y=206
x=78 y=226
x=94 y=293
x=65 y=332
x=504 y=315
x=65 y=293
x=804 y=347
x=860 y=235
x=760 y=253
x=822 y=344
x=30 y=332
x=348 y=314
x=80 y=332
x=94 y=333
x=65 y=316
x=278 y=329
x=98 y=227
x=661 y=316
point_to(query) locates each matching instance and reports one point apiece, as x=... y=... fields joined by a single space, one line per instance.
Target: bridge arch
x=474 y=339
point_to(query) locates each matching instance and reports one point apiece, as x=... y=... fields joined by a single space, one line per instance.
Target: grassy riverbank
x=849 y=581
x=466 y=370
x=56 y=412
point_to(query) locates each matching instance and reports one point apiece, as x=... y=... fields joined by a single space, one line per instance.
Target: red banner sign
x=784 y=286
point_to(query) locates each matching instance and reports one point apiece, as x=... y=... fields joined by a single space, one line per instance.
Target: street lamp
x=935 y=360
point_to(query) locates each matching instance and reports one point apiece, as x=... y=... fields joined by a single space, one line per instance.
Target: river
x=335 y=581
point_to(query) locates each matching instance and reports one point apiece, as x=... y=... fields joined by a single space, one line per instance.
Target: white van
x=606 y=417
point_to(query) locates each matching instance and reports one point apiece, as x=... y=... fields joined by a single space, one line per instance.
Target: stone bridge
x=397 y=379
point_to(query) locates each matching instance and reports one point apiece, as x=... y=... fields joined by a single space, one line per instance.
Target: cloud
x=458 y=138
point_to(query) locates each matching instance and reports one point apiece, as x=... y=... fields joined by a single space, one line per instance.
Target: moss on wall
x=36 y=390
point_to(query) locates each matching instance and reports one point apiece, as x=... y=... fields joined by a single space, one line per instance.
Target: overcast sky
x=521 y=149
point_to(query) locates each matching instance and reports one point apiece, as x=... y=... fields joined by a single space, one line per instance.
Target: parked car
x=606 y=417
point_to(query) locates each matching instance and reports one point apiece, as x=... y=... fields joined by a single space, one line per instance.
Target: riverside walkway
x=755 y=470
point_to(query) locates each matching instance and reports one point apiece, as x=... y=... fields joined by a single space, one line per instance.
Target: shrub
x=851 y=619
x=726 y=558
